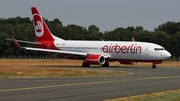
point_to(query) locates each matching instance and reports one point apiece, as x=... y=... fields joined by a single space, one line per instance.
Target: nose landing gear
x=156 y=62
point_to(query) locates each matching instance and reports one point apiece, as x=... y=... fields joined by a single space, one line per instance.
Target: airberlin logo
x=133 y=49
x=38 y=25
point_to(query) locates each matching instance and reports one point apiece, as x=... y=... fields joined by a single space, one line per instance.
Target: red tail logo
x=38 y=23
x=41 y=30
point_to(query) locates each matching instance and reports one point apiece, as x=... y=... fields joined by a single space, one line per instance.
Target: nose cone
x=167 y=55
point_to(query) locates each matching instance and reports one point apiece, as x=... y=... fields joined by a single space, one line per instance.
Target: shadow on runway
x=93 y=66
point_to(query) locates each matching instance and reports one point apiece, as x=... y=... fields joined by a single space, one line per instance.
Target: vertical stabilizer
x=41 y=30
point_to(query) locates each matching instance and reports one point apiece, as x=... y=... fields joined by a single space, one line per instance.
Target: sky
x=105 y=14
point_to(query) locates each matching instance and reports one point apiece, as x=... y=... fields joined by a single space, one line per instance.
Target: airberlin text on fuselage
x=134 y=49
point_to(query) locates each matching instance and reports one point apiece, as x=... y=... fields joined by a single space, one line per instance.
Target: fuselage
x=117 y=50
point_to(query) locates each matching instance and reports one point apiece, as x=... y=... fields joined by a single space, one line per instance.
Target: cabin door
x=147 y=50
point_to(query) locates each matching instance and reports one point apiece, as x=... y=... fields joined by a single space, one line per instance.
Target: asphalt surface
x=94 y=88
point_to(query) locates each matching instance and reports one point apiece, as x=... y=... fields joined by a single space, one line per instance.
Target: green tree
x=94 y=33
x=175 y=46
x=169 y=27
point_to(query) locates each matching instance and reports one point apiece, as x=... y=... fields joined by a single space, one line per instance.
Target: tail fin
x=41 y=30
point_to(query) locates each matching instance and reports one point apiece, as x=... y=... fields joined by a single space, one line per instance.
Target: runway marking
x=85 y=83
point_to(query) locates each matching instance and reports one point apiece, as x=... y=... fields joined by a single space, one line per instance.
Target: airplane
x=92 y=52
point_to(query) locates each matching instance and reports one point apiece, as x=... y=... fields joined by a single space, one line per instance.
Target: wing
x=66 y=54
x=55 y=51
x=60 y=53
x=45 y=50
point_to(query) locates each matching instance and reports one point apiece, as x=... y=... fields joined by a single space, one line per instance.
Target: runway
x=91 y=88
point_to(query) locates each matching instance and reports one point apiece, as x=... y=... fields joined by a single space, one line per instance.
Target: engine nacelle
x=95 y=59
x=127 y=62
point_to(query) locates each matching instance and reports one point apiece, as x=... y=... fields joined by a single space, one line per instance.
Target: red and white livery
x=93 y=52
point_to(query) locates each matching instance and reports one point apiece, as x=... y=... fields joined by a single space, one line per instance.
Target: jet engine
x=95 y=59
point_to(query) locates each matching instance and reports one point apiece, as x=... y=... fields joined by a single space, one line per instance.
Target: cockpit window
x=158 y=49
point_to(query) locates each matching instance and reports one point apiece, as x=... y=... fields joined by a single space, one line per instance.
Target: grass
x=28 y=68
x=18 y=68
x=173 y=95
x=50 y=67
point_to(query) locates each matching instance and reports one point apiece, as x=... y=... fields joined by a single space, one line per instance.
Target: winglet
x=15 y=41
x=132 y=38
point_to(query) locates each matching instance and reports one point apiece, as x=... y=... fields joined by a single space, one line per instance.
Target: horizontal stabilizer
x=28 y=42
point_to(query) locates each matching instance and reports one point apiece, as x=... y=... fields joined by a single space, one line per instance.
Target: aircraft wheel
x=106 y=64
x=154 y=66
x=84 y=64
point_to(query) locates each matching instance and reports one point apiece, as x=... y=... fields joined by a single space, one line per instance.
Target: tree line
x=166 y=35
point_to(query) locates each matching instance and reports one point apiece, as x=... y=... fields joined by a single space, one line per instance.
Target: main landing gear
x=106 y=64
x=84 y=64
x=153 y=65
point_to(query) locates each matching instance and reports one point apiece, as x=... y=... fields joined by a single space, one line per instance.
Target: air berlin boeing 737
x=93 y=52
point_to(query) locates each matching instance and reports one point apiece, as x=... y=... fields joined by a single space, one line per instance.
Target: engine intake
x=95 y=59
